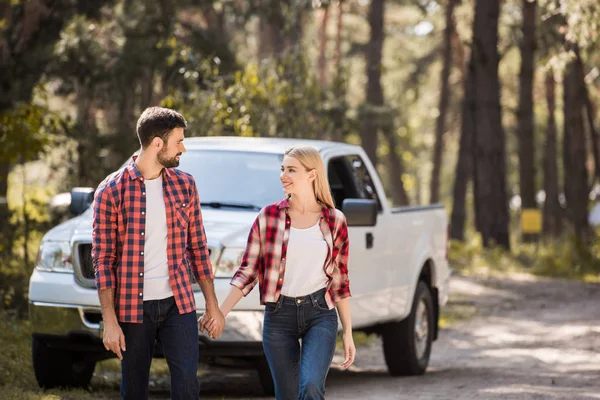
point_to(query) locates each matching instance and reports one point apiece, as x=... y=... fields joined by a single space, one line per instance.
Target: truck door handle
x=369 y=238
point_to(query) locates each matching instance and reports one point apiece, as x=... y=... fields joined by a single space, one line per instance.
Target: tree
x=374 y=91
x=491 y=204
x=575 y=151
x=525 y=116
x=440 y=126
x=552 y=215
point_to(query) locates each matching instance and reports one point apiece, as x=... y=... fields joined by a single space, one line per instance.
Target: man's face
x=172 y=149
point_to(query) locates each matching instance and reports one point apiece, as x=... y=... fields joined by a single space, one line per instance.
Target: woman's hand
x=349 y=350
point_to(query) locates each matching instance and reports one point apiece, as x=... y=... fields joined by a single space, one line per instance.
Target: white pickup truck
x=398 y=265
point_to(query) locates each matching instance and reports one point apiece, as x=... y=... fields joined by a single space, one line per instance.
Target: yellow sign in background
x=531 y=220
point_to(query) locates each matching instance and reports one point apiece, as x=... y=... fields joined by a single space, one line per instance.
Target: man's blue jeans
x=178 y=336
x=299 y=370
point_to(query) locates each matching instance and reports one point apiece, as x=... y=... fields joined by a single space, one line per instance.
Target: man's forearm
x=107 y=304
x=208 y=290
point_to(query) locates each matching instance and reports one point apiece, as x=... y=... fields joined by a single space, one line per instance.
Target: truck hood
x=223 y=227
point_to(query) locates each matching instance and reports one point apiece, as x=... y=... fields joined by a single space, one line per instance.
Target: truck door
x=349 y=178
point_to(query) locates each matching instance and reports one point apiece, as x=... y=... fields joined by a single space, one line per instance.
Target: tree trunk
x=525 y=116
x=575 y=153
x=491 y=204
x=337 y=55
x=464 y=165
x=5 y=249
x=271 y=25
x=591 y=116
x=396 y=166
x=552 y=218
x=322 y=60
x=440 y=126
x=374 y=93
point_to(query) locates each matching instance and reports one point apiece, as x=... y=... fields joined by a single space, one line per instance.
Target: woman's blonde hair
x=310 y=159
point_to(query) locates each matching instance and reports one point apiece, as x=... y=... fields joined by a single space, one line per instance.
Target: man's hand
x=113 y=339
x=213 y=322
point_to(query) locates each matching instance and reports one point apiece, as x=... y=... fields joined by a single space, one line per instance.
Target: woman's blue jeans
x=299 y=338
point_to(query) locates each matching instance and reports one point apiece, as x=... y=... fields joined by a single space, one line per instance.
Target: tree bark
x=525 y=116
x=591 y=116
x=575 y=153
x=440 y=126
x=322 y=60
x=396 y=166
x=489 y=148
x=552 y=215
x=374 y=95
x=464 y=165
x=337 y=55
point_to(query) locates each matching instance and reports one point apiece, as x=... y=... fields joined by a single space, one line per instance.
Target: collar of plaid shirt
x=118 y=239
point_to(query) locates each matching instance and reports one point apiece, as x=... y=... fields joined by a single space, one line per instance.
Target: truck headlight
x=229 y=262
x=55 y=256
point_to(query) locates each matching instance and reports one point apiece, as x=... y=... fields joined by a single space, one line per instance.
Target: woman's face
x=294 y=177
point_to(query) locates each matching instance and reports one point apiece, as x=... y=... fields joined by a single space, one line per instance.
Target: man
x=147 y=236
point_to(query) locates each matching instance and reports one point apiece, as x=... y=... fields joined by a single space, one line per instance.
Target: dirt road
x=531 y=338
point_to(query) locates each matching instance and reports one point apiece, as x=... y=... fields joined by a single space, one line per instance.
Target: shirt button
x=142 y=253
x=183 y=205
x=141 y=274
x=142 y=233
x=283 y=259
x=143 y=193
x=143 y=212
x=280 y=279
x=140 y=295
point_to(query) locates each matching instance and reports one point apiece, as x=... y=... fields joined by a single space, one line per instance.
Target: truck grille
x=85 y=260
x=85 y=267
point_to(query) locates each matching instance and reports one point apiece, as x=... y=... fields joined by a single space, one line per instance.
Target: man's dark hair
x=158 y=122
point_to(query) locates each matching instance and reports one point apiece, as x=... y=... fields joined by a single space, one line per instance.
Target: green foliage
x=564 y=257
x=276 y=99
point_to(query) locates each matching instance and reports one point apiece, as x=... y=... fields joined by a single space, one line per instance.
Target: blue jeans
x=299 y=371
x=178 y=336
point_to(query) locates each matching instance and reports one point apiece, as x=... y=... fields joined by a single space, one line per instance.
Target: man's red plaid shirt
x=118 y=239
x=264 y=258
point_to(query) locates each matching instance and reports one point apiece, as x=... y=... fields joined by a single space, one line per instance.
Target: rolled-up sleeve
x=104 y=239
x=340 y=281
x=197 y=248
x=245 y=277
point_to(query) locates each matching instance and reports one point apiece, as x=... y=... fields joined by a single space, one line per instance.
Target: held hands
x=113 y=339
x=349 y=350
x=213 y=322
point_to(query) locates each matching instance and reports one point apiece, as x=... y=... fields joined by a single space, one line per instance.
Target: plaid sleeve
x=104 y=239
x=196 y=245
x=245 y=277
x=340 y=282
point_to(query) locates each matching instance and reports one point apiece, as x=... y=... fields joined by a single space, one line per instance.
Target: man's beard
x=167 y=162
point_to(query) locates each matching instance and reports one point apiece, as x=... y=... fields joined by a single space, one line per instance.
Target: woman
x=298 y=250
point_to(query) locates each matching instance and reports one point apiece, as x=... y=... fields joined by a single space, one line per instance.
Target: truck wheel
x=265 y=377
x=59 y=368
x=407 y=343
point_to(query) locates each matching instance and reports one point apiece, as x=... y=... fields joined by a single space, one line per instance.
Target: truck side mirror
x=81 y=199
x=360 y=212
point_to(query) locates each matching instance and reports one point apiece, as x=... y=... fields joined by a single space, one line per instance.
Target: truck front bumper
x=67 y=324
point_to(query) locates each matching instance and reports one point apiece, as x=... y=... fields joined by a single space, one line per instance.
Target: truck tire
x=407 y=343
x=60 y=368
x=265 y=377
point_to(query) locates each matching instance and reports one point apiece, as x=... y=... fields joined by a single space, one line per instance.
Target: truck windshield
x=234 y=179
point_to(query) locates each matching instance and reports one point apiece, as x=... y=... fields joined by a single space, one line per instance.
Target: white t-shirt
x=305 y=258
x=156 y=263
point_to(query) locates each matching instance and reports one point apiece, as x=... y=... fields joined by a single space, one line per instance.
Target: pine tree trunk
x=491 y=204
x=322 y=60
x=464 y=165
x=552 y=215
x=525 y=116
x=575 y=153
x=396 y=166
x=374 y=93
x=440 y=126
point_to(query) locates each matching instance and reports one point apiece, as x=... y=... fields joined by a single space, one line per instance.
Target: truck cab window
x=349 y=178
